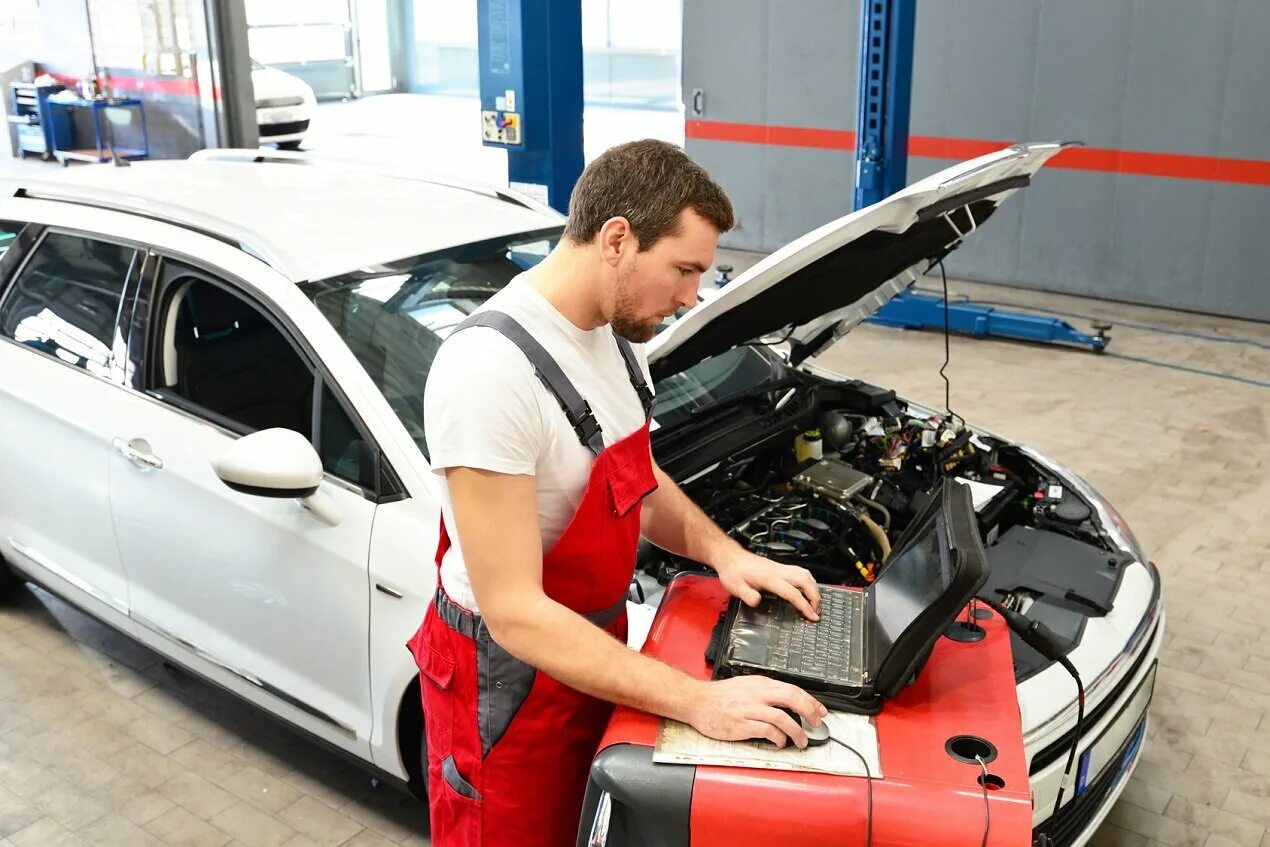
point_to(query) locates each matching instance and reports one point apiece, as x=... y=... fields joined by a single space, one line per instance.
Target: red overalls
x=510 y=748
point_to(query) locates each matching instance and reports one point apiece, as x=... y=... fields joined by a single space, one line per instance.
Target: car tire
x=289 y=145
x=10 y=582
x=419 y=788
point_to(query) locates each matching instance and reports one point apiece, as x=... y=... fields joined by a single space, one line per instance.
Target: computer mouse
x=816 y=735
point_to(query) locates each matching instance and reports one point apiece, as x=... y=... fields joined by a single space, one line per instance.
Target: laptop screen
x=911 y=581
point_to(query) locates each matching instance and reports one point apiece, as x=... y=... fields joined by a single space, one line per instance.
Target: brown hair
x=648 y=182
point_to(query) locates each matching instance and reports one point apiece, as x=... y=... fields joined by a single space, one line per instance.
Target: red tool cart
x=932 y=792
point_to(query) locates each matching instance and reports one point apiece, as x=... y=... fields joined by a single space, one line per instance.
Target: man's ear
x=615 y=237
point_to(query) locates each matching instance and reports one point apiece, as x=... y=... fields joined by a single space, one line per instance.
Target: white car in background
x=284 y=106
x=163 y=326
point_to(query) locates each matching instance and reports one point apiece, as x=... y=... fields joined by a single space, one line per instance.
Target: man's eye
x=685 y=271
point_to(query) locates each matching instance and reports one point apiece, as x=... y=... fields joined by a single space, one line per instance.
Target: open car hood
x=830 y=279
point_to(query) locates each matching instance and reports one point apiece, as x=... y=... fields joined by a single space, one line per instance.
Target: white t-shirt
x=485 y=408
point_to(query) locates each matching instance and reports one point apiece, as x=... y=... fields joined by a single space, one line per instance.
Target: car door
x=59 y=345
x=259 y=593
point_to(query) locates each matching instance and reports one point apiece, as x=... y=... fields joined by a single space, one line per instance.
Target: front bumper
x=1122 y=720
x=283 y=123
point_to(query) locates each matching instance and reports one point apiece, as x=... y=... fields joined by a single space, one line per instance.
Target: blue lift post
x=886 y=81
x=886 y=85
x=530 y=54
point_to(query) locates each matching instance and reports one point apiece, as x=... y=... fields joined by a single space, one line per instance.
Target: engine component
x=834 y=479
x=809 y=445
x=836 y=429
x=1070 y=510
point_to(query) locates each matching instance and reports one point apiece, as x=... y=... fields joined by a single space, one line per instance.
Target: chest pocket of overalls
x=630 y=484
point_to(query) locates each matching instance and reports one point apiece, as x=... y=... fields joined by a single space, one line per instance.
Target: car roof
x=306 y=222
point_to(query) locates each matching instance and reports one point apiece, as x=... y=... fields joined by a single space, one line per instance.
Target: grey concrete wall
x=1159 y=76
x=779 y=63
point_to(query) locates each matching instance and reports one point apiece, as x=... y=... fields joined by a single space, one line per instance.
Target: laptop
x=868 y=644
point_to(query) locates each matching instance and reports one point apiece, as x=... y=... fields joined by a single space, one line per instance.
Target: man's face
x=655 y=283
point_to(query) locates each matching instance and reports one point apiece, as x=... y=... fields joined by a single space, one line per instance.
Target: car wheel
x=10 y=582
x=288 y=145
x=422 y=792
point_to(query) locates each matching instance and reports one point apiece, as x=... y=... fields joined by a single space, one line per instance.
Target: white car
x=284 y=106
x=163 y=326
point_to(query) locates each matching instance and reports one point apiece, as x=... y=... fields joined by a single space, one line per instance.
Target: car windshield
x=394 y=317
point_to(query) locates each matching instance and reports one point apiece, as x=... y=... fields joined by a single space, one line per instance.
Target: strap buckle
x=586 y=426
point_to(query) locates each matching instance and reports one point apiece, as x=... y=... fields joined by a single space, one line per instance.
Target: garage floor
x=103 y=744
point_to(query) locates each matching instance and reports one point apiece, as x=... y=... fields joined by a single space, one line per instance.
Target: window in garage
x=224 y=359
x=65 y=302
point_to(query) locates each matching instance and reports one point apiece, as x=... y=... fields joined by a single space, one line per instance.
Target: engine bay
x=841 y=478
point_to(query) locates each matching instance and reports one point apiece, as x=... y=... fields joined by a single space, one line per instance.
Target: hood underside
x=818 y=286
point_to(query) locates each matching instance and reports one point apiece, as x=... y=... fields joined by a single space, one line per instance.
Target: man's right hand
x=747 y=707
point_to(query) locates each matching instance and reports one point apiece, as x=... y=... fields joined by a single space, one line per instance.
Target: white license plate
x=1099 y=755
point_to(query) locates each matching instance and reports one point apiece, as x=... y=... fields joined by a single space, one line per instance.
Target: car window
x=66 y=299
x=8 y=235
x=395 y=318
x=345 y=453
x=222 y=355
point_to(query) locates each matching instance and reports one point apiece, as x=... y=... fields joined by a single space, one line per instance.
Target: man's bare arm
x=498 y=527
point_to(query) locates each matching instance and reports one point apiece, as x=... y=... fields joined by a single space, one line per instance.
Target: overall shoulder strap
x=576 y=410
x=636 y=375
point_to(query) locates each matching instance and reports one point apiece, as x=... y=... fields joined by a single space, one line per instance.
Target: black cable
x=1145 y=327
x=1080 y=724
x=987 y=813
x=1044 y=641
x=781 y=340
x=868 y=775
x=1188 y=369
x=947 y=349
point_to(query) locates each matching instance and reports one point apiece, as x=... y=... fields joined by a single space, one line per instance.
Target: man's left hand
x=746 y=575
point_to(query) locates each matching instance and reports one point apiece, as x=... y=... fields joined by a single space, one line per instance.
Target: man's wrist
x=722 y=552
x=683 y=699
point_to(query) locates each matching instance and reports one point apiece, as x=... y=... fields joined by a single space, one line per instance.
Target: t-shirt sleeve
x=480 y=406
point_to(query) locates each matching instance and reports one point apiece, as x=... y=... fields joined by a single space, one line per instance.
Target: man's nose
x=687 y=294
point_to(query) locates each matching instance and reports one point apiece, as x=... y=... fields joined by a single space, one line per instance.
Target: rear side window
x=65 y=301
x=8 y=235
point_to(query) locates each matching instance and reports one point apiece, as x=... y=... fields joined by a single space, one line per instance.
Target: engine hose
x=879 y=535
x=886 y=515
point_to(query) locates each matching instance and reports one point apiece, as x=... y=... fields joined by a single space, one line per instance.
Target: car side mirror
x=277 y=463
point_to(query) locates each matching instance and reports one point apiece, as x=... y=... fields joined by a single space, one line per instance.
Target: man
x=537 y=413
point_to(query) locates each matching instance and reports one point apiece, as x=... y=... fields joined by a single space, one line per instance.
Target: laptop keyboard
x=825 y=649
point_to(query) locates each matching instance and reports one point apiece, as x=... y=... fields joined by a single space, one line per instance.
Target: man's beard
x=626 y=321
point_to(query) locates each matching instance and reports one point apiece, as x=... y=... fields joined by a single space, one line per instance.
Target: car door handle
x=138 y=452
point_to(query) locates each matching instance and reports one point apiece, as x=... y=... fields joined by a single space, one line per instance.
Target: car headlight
x=1108 y=518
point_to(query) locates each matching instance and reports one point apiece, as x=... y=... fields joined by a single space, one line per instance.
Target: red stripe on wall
x=1173 y=165
x=124 y=85
x=784 y=136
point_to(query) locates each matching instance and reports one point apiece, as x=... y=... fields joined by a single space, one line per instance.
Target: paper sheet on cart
x=678 y=743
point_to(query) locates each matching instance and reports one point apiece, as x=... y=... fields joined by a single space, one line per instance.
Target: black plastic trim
x=965 y=198
x=277 y=493
x=651 y=803
x=1059 y=748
